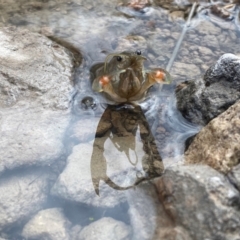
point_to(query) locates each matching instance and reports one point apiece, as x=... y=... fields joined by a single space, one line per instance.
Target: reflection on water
x=128 y=147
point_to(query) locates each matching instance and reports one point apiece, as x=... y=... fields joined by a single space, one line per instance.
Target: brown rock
x=217 y=145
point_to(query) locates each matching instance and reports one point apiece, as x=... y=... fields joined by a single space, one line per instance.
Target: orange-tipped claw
x=159 y=75
x=123 y=78
x=100 y=82
x=104 y=80
x=103 y=84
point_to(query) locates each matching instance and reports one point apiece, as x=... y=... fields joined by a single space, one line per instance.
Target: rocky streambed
x=67 y=167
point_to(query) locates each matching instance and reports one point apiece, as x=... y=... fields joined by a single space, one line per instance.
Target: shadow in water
x=129 y=139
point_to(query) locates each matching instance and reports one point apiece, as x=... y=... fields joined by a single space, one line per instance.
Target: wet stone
x=202 y=100
x=47 y=224
x=118 y=160
x=46 y=31
x=106 y=228
x=177 y=15
x=217 y=144
x=201 y=201
x=23 y=143
x=85 y=129
x=210 y=41
x=75 y=183
x=147 y=216
x=180 y=69
x=86 y=167
x=161 y=130
x=203 y=51
x=36 y=86
x=234 y=176
x=208 y=28
x=22 y=195
x=24 y=78
x=75 y=231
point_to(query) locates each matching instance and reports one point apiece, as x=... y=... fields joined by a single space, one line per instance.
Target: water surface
x=138 y=142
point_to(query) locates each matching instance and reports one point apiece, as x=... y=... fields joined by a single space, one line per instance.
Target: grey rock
x=33 y=66
x=106 y=228
x=202 y=201
x=217 y=144
x=75 y=182
x=202 y=100
x=148 y=217
x=35 y=92
x=145 y=211
x=234 y=176
x=188 y=70
x=208 y=28
x=75 y=231
x=85 y=129
x=86 y=166
x=205 y=53
x=31 y=137
x=22 y=195
x=49 y=224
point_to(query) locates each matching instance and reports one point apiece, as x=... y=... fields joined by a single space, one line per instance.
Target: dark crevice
x=77 y=56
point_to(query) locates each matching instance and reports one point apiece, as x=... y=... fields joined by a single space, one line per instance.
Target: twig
x=185 y=28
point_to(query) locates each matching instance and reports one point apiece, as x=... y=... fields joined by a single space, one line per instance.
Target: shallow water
x=120 y=157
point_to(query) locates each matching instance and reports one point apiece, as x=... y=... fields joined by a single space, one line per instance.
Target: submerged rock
x=31 y=137
x=148 y=217
x=106 y=228
x=202 y=100
x=48 y=224
x=99 y=168
x=180 y=69
x=218 y=144
x=22 y=195
x=234 y=176
x=85 y=129
x=126 y=155
x=202 y=201
x=35 y=92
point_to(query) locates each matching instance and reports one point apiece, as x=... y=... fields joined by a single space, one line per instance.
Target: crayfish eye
x=138 y=52
x=119 y=58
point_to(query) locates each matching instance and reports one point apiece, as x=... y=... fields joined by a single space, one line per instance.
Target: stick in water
x=176 y=49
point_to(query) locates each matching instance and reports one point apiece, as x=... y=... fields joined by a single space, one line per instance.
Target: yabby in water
x=122 y=77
